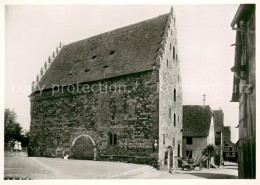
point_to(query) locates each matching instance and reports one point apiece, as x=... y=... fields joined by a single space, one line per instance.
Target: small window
x=86 y=70
x=174 y=119
x=173 y=141
x=189 y=140
x=171 y=32
x=174 y=94
x=170 y=46
x=173 y=52
x=115 y=139
x=94 y=56
x=105 y=67
x=163 y=138
x=178 y=78
x=112 y=139
x=167 y=63
x=170 y=112
x=112 y=52
x=179 y=150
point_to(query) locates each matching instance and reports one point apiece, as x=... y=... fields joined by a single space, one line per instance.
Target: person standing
x=15 y=145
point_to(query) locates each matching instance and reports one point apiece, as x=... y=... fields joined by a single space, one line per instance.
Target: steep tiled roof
x=196 y=120
x=127 y=50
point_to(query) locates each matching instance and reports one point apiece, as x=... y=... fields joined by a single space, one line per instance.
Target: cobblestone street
x=19 y=165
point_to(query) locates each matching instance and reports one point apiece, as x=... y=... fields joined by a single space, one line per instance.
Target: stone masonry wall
x=170 y=135
x=131 y=113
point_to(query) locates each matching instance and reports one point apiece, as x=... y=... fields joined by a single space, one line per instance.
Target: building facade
x=226 y=134
x=198 y=130
x=244 y=88
x=218 y=128
x=230 y=151
x=115 y=96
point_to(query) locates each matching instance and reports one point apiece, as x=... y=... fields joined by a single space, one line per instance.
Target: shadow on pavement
x=214 y=176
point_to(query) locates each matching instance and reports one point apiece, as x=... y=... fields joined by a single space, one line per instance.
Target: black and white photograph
x=128 y=91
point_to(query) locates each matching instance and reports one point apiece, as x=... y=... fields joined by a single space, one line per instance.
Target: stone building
x=198 y=129
x=244 y=88
x=115 y=96
x=218 y=128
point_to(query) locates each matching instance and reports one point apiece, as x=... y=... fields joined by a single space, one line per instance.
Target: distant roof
x=218 y=120
x=196 y=120
x=127 y=50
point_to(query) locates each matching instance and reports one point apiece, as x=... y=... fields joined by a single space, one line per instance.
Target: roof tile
x=196 y=120
x=135 y=48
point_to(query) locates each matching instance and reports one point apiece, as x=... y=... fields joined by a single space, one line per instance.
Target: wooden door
x=83 y=149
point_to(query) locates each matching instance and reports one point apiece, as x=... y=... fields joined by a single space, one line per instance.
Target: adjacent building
x=198 y=130
x=115 y=96
x=244 y=90
x=218 y=128
x=226 y=134
x=230 y=151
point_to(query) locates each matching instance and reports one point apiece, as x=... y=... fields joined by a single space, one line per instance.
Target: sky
x=32 y=33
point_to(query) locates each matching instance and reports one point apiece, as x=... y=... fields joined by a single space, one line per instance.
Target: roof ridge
x=118 y=29
x=161 y=50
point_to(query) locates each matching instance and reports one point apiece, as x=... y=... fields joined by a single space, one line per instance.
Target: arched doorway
x=83 y=147
x=168 y=159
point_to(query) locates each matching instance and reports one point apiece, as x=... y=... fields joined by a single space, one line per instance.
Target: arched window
x=174 y=95
x=173 y=52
